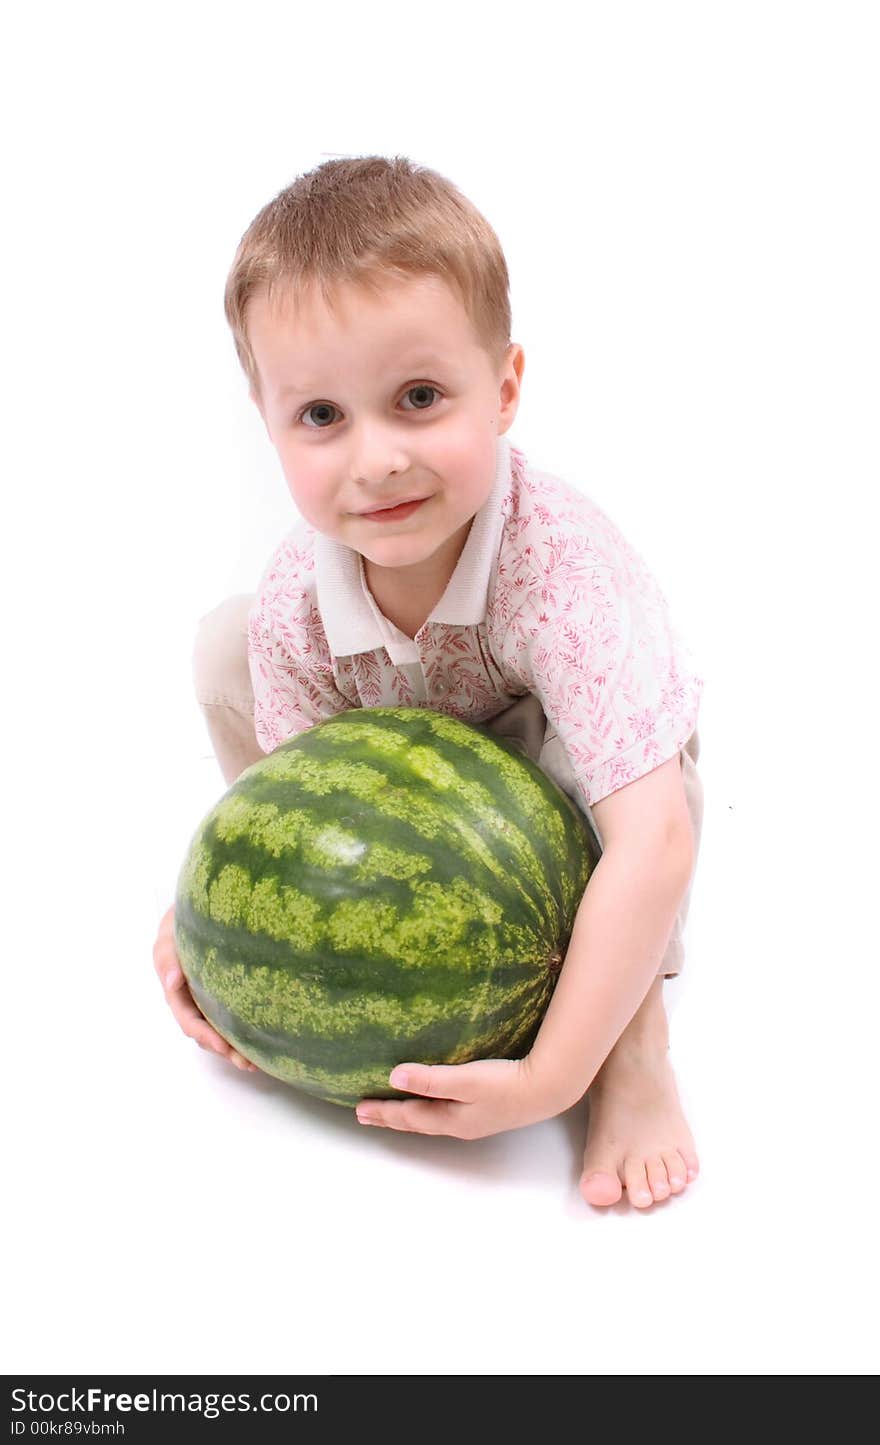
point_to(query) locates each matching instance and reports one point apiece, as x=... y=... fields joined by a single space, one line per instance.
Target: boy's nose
x=378 y=458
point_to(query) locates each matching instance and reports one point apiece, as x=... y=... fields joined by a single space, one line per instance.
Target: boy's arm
x=620 y=934
x=621 y=930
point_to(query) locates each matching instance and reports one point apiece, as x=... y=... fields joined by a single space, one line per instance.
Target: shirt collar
x=351 y=619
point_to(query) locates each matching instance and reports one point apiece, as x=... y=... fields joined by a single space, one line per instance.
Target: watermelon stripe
x=349 y=1086
x=340 y=845
x=348 y=1070
x=442 y=828
x=429 y=924
x=442 y=973
x=367 y=1042
x=455 y=774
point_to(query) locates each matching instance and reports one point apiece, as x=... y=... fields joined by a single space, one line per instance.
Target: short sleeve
x=617 y=683
x=292 y=678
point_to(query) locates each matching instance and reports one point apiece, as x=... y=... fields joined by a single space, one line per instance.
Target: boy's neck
x=408 y=595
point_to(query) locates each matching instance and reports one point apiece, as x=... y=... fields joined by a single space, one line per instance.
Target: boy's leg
x=638 y=1137
x=524 y=722
x=673 y=959
x=222 y=683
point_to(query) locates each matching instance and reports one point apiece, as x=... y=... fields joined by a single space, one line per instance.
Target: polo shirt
x=547 y=598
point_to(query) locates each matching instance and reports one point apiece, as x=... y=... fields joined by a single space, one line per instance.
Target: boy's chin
x=396 y=553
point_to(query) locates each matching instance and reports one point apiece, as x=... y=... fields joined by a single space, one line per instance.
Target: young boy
x=435 y=567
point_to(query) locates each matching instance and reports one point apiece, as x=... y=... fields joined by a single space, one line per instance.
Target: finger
x=194 y=1023
x=241 y=1062
x=180 y=1000
x=162 y=949
x=171 y=977
x=437 y=1081
x=411 y=1117
x=165 y=932
x=166 y=962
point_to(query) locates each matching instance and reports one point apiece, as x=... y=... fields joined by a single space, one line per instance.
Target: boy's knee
x=219 y=657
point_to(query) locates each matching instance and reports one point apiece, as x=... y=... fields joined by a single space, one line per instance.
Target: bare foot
x=638 y=1137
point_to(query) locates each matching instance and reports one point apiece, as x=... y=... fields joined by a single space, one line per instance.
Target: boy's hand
x=468 y=1101
x=180 y=1000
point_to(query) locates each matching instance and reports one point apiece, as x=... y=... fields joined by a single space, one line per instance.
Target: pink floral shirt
x=547 y=597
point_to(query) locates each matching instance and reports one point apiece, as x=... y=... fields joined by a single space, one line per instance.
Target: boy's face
x=384 y=400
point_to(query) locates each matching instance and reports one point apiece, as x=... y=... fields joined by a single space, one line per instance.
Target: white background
x=687 y=198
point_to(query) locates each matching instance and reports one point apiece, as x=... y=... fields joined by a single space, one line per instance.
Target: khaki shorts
x=223 y=688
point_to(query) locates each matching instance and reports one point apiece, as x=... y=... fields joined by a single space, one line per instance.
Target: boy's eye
x=325 y=409
x=319 y=406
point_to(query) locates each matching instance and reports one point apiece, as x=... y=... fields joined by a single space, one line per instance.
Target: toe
x=635 y=1178
x=692 y=1162
x=676 y=1169
x=658 y=1179
x=601 y=1186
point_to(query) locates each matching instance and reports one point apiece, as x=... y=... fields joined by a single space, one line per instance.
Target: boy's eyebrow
x=423 y=363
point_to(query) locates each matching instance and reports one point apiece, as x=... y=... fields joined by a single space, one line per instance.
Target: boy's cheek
x=312 y=498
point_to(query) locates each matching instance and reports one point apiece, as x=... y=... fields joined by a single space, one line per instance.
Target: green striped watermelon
x=389 y=885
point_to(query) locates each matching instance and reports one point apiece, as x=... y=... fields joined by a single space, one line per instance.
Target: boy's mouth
x=391 y=514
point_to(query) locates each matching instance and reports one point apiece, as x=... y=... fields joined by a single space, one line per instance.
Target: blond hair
x=368 y=220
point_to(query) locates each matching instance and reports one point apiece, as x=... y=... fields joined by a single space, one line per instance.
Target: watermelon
x=390 y=885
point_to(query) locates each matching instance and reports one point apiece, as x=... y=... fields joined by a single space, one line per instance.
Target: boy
x=435 y=567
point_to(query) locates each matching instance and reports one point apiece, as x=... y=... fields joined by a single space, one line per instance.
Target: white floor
x=170 y=1214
